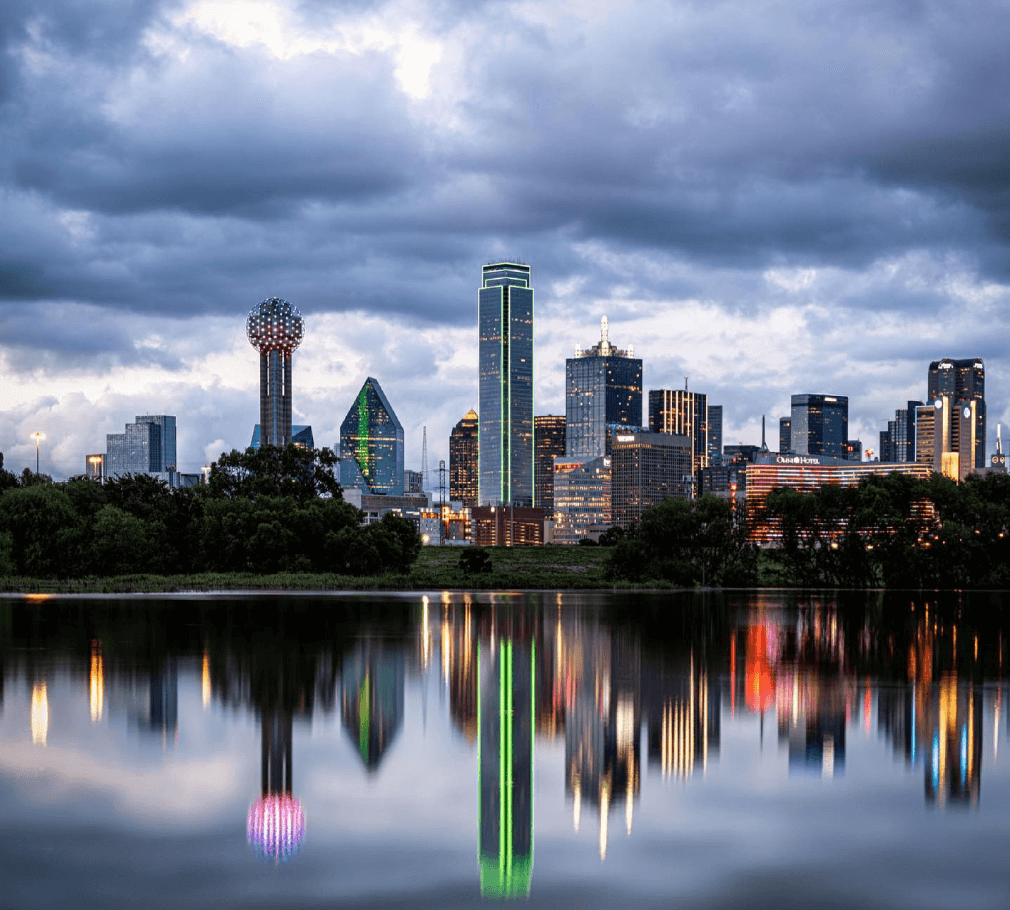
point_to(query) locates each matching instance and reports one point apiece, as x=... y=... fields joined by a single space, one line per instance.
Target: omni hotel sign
x=797 y=459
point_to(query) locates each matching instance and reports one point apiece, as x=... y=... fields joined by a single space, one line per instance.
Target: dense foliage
x=686 y=542
x=266 y=510
x=895 y=531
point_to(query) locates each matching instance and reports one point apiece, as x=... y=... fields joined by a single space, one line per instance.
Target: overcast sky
x=767 y=197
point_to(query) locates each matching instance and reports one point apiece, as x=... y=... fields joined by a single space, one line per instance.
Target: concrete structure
x=582 y=498
x=647 y=468
x=505 y=373
x=275 y=328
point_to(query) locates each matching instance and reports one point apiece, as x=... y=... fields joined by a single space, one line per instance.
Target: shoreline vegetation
x=275 y=520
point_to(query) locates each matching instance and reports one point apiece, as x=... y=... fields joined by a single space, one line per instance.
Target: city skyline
x=360 y=161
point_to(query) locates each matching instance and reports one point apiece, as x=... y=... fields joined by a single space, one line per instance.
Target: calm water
x=742 y=750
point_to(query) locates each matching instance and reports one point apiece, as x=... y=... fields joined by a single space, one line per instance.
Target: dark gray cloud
x=161 y=160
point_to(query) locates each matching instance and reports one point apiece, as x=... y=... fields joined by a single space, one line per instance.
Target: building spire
x=764 y=444
x=604 y=337
x=999 y=439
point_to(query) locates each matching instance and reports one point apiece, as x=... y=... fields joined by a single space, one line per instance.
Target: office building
x=582 y=498
x=549 y=443
x=413 y=482
x=507 y=526
x=647 y=468
x=785 y=435
x=301 y=435
x=819 y=425
x=925 y=425
x=464 y=450
x=682 y=413
x=714 y=433
x=145 y=447
x=275 y=328
x=505 y=324
x=603 y=392
x=854 y=450
x=371 y=443
x=957 y=391
x=885 y=450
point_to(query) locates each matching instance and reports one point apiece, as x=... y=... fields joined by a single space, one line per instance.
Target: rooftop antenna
x=604 y=336
x=424 y=458
x=685 y=383
x=764 y=444
x=999 y=439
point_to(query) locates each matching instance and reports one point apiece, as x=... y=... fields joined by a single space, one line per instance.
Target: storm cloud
x=768 y=197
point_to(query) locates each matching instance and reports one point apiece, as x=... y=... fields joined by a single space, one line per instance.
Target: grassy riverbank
x=436 y=568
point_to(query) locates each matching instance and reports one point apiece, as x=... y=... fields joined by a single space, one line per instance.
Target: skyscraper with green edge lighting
x=505 y=393
x=506 y=726
x=371 y=443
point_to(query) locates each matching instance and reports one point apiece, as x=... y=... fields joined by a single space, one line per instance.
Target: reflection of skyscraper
x=276 y=822
x=371 y=443
x=505 y=369
x=372 y=682
x=506 y=726
x=811 y=718
x=953 y=751
x=683 y=719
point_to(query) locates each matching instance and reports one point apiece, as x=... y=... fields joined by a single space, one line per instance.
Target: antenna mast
x=424 y=458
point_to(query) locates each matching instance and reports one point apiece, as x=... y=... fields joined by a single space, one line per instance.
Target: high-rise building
x=413 y=482
x=715 y=434
x=853 y=450
x=646 y=469
x=903 y=435
x=682 y=413
x=819 y=425
x=505 y=326
x=464 y=464
x=886 y=451
x=145 y=447
x=371 y=443
x=275 y=328
x=925 y=426
x=961 y=384
x=582 y=498
x=603 y=391
x=785 y=435
x=549 y=443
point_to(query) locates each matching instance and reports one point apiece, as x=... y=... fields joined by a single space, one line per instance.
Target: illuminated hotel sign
x=796 y=459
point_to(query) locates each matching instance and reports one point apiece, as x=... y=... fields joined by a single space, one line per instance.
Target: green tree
x=45 y=530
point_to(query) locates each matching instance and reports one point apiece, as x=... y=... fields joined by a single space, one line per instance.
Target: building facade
x=549 y=442
x=959 y=385
x=507 y=526
x=603 y=391
x=819 y=425
x=147 y=446
x=275 y=328
x=582 y=498
x=371 y=444
x=301 y=435
x=464 y=460
x=505 y=384
x=682 y=413
x=647 y=468
x=714 y=433
x=785 y=435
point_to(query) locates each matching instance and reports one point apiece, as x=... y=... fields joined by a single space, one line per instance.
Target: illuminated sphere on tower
x=275 y=328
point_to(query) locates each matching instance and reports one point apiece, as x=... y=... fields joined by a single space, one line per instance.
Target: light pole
x=38 y=437
x=96 y=467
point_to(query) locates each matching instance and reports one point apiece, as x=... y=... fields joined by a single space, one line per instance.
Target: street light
x=206 y=472
x=38 y=437
x=96 y=467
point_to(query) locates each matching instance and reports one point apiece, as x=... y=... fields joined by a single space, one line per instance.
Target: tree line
x=890 y=531
x=263 y=511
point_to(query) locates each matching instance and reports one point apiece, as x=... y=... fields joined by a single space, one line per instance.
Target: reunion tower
x=275 y=329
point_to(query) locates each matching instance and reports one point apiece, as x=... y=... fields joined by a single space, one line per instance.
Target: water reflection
x=799 y=684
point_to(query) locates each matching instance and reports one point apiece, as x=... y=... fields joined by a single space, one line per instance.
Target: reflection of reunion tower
x=275 y=329
x=276 y=821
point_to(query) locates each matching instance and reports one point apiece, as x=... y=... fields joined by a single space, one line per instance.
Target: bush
x=475 y=561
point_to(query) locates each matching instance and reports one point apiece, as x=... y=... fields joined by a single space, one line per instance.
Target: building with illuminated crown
x=505 y=384
x=371 y=443
x=603 y=391
x=275 y=328
x=682 y=413
x=957 y=394
x=464 y=460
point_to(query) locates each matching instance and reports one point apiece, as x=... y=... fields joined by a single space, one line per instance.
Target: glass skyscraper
x=505 y=326
x=603 y=391
x=819 y=425
x=549 y=433
x=371 y=443
x=145 y=447
x=464 y=459
x=682 y=413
